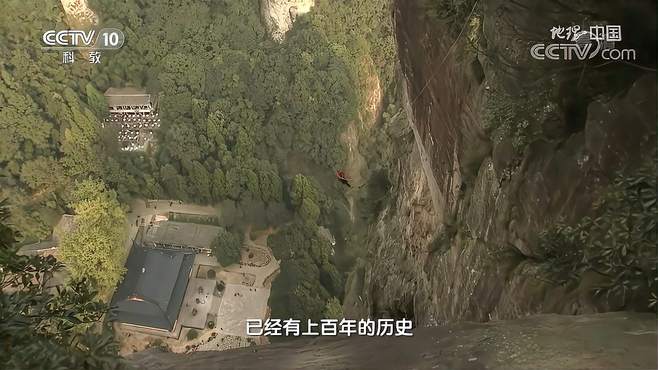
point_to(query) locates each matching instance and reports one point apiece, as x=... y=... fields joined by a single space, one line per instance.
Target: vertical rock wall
x=79 y=14
x=460 y=240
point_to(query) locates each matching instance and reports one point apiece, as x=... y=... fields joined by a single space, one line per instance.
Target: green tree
x=41 y=328
x=219 y=186
x=199 y=109
x=309 y=211
x=331 y=278
x=307 y=279
x=200 y=181
x=96 y=101
x=333 y=309
x=95 y=248
x=249 y=182
x=22 y=130
x=43 y=174
x=296 y=292
x=226 y=247
x=173 y=182
x=81 y=139
x=271 y=189
x=307 y=199
x=302 y=188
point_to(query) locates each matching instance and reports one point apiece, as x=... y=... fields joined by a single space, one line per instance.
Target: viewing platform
x=133 y=113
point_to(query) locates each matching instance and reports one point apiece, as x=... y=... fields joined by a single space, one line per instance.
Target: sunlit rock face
x=279 y=15
x=78 y=13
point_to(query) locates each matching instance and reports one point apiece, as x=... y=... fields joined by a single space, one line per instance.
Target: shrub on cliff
x=618 y=242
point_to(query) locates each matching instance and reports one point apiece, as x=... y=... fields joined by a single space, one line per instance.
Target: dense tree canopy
x=49 y=121
x=308 y=279
x=309 y=284
x=95 y=248
x=41 y=328
x=234 y=104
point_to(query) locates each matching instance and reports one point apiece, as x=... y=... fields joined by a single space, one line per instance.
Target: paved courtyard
x=246 y=289
x=198 y=303
x=239 y=304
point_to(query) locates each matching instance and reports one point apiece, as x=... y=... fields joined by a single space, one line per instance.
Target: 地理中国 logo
x=70 y=40
x=572 y=43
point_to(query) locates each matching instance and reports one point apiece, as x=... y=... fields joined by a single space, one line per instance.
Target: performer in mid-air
x=340 y=176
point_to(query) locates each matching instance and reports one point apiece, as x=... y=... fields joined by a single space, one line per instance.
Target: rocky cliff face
x=496 y=151
x=461 y=240
x=79 y=14
x=279 y=15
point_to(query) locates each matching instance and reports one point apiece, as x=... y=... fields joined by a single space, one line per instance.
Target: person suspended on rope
x=340 y=176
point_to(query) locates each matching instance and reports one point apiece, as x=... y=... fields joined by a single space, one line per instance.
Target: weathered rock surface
x=279 y=15
x=466 y=247
x=605 y=341
x=79 y=14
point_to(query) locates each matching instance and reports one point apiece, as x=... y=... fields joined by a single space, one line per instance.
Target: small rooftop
x=181 y=234
x=126 y=96
x=65 y=226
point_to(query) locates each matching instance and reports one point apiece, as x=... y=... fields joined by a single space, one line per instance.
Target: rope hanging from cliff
x=445 y=57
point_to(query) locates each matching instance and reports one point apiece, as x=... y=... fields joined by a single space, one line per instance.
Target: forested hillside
x=234 y=104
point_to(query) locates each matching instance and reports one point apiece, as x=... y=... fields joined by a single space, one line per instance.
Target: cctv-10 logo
x=106 y=38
